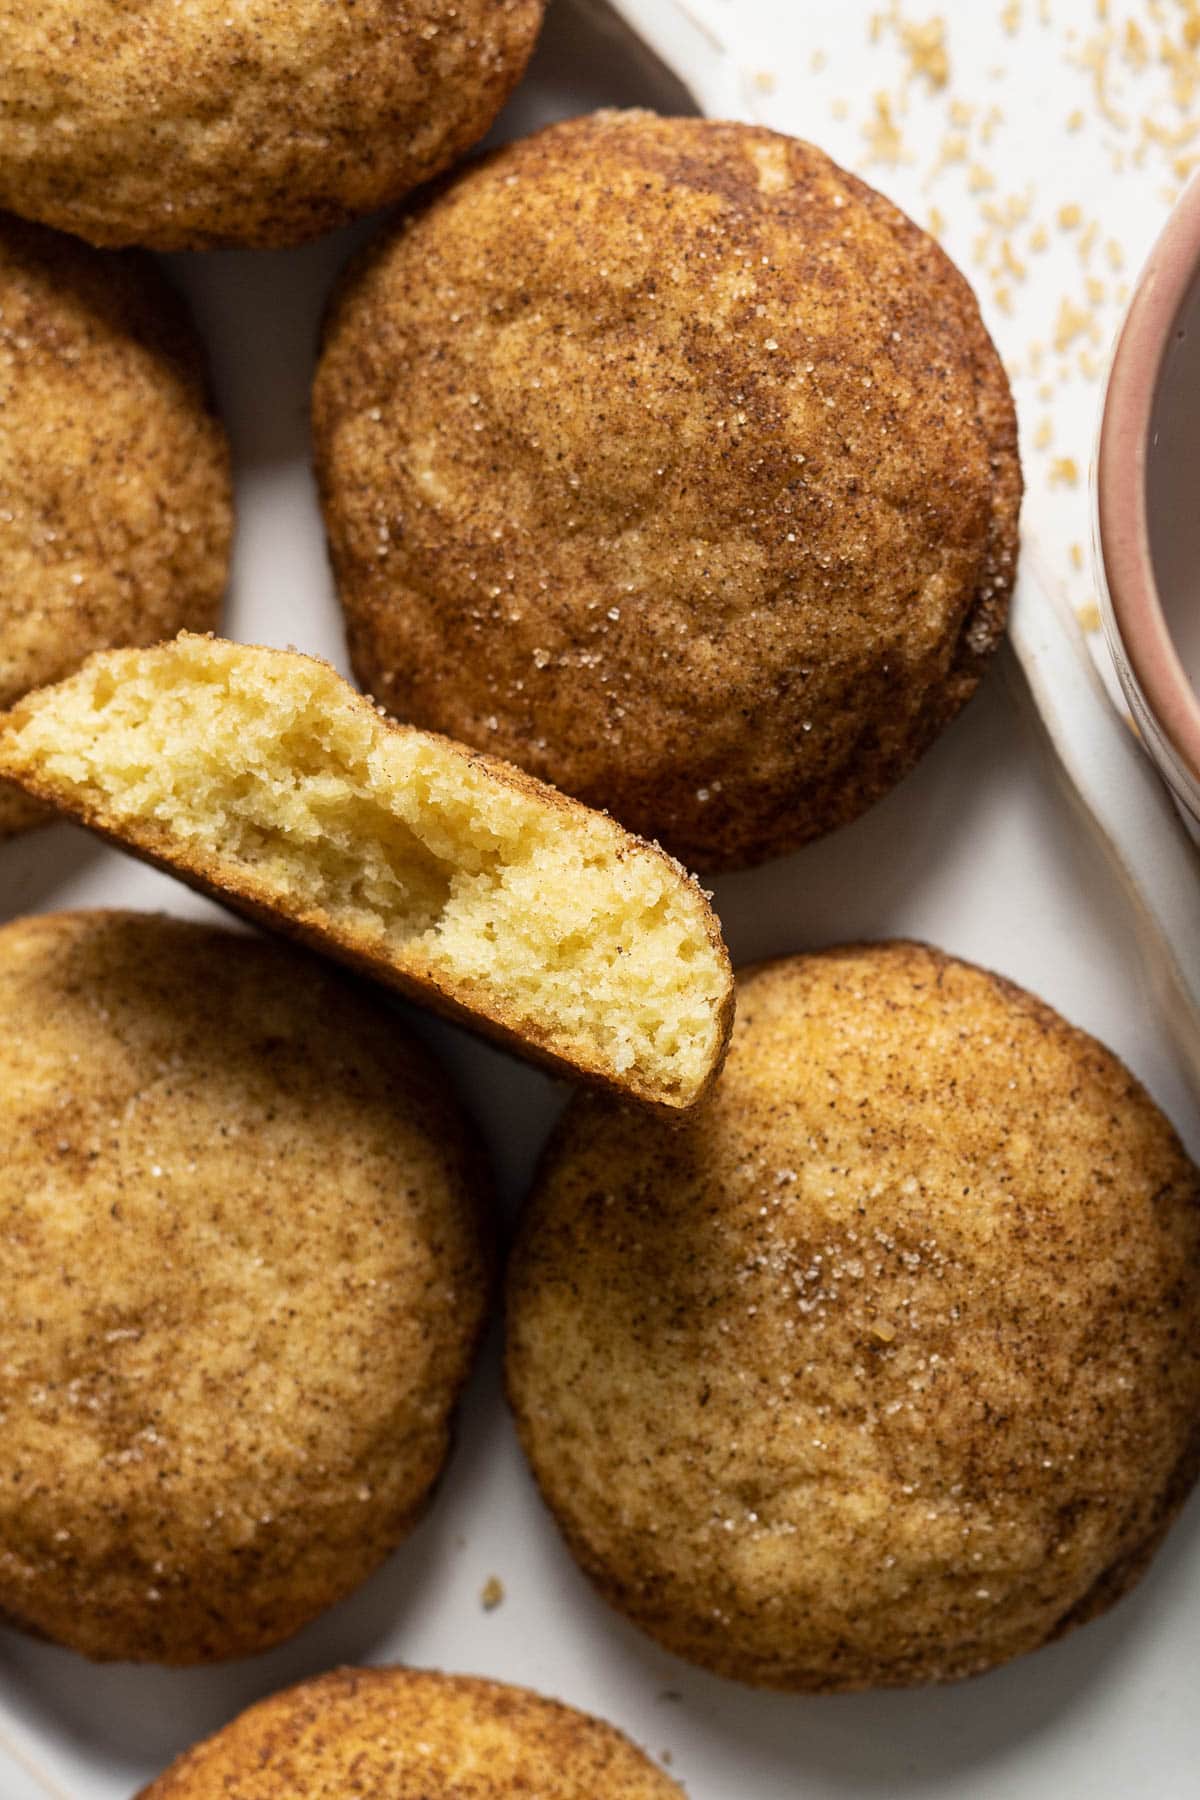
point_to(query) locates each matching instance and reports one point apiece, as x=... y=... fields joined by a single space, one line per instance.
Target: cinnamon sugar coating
x=186 y=126
x=885 y=1366
x=413 y=1734
x=245 y=1269
x=116 y=505
x=670 y=461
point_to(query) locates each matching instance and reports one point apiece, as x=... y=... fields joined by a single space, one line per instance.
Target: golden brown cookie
x=181 y=127
x=412 y=1734
x=115 y=497
x=670 y=461
x=263 y=778
x=884 y=1366
x=244 y=1273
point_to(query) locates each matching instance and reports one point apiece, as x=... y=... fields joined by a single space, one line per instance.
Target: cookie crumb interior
x=266 y=773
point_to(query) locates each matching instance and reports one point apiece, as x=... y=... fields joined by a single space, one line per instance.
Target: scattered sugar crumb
x=925 y=47
x=491 y=1594
x=885 y=142
x=1072 y=321
x=1129 y=78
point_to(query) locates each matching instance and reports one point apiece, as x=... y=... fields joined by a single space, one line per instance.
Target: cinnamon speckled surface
x=208 y=122
x=244 y=1270
x=886 y=1366
x=413 y=1734
x=116 y=507
x=667 y=459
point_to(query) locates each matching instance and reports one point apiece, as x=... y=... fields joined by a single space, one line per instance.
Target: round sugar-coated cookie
x=669 y=460
x=186 y=126
x=412 y=1734
x=245 y=1268
x=884 y=1366
x=116 y=509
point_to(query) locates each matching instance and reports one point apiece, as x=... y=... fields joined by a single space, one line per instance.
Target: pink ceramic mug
x=1147 y=505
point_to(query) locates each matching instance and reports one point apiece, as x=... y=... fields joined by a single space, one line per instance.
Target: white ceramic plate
x=979 y=851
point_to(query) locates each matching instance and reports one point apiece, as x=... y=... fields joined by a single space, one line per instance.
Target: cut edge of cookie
x=261 y=777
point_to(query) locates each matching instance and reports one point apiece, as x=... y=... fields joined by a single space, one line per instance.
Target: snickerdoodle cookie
x=262 y=123
x=884 y=1366
x=412 y=1734
x=263 y=778
x=670 y=461
x=244 y=1272
x=115 y=498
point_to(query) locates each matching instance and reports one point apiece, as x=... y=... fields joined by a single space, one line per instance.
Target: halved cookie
x=261 y=777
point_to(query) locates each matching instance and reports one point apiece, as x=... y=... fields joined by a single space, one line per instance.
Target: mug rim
x=1121 y=502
